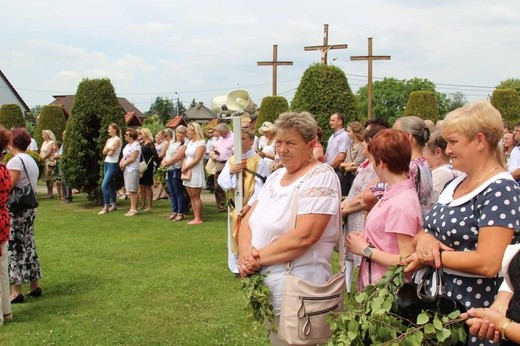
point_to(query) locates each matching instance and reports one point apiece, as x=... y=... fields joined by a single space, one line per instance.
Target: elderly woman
x=266 y=143
x=150 y=156
x=5 y=221
x=193 y=169
x=396 y=218
x=173 y=163
x=112 y=149
x=267 y=243
x=46 y=153
x=509 y=144
x=476 y=216
x=439 y=162
x=24 y=265
x=418 y=135
x=129 y=165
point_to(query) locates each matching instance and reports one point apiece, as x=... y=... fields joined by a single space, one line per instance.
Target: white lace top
x=318 y=194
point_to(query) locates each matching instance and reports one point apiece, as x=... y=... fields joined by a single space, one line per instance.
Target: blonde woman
x=149 y=155
x=476 y=215
x=46 y=152
x=195 y=149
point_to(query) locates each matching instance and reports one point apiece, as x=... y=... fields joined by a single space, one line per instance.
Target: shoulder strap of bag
x=23 y=165
x=26 y=174
x=292 y=224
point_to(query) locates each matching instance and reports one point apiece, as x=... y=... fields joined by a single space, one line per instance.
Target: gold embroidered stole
x=248 y=180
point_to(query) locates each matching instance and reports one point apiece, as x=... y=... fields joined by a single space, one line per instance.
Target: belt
x=222 y=161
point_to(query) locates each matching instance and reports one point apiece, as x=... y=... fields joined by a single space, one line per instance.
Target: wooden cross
x=370 y=58
x=275 y=64
x=326 y=46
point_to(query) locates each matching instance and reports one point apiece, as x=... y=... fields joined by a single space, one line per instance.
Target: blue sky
x=202 y=49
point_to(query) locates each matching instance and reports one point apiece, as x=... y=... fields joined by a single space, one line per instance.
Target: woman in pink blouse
x=396 y=218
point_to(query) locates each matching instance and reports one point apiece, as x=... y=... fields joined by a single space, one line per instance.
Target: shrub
x=51 y=118
x=271 y=108
x=95 y=106
x=507 y=101
x=11 y=116
x=422 y=104
x=323 y=91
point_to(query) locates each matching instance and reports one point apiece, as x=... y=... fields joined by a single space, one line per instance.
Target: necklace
x=478 y=181
x=465 y=189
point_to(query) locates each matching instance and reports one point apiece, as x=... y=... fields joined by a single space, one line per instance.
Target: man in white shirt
x=337 y=145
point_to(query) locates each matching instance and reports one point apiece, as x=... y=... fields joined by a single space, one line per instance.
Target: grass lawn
x=110 y=279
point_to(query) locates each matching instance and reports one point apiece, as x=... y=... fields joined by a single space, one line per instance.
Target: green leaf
x=429 y=328
x=422 y=318
x=453 y=315
x=442 y=334
x=437 y=323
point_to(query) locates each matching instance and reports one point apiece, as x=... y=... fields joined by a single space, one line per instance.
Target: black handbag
x=428 y=295
x=22 y=198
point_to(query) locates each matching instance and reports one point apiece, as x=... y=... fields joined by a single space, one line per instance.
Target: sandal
x=172 y=216
x=179 y=217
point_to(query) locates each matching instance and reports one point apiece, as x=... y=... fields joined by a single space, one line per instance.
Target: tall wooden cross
x=275 y=64
x=326 y=46
x=370 y=58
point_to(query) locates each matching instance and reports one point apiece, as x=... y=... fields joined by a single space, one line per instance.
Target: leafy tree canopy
x=164 y=108
x=390 y=96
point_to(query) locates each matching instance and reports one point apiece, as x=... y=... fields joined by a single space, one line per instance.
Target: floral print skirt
x=24 y=265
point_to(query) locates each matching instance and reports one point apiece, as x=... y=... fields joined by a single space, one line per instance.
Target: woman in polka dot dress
x=477 y=214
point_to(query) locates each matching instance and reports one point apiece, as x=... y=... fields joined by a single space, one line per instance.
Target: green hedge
x=323 y=91
x=422 y=104
x=271 y=108
x=11 y=116
x=51 y=118
x=507 y=101
x=95 y=106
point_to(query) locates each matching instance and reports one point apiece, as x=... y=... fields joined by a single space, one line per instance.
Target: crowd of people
x=426 y=194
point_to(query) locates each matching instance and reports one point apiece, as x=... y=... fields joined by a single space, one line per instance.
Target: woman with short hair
x=396 y=218
x=476 y=215
x=24 y=265
x=267 y=240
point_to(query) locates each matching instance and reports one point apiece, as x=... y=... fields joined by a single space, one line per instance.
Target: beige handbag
x=305 y=305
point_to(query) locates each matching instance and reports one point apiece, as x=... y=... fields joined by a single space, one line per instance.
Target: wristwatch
x=367 y=252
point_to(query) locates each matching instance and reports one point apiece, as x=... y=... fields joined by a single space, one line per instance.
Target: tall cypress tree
x=95 y=106
x=323 y=91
